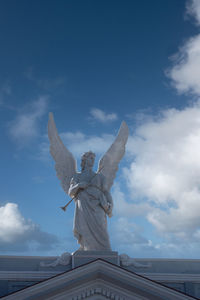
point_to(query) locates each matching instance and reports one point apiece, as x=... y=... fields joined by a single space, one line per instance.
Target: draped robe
x=90 y=220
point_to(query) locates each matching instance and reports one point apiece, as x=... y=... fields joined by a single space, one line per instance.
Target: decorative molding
x=41 y=275
x=97 y=291
x=84 y=279
x=126 y=261
x=193 y=260
x=27 y=275
x=172 y=277
x=27 y=257
x=136 y=259
x=63 y=260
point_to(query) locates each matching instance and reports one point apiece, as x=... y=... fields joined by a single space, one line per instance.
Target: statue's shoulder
x=101 y=177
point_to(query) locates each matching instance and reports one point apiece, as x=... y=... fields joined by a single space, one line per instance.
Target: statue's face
x=89 y=161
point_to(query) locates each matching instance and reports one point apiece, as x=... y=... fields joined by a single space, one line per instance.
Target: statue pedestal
x=83 y=257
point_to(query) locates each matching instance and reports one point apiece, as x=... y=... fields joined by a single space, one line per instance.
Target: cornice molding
x=112 y=276
x=41 y=275
x=27 y=275
x=172 y=277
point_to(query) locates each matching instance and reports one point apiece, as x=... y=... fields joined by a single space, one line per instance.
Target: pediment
x=98 y=280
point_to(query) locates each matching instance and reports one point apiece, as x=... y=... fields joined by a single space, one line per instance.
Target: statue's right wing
x=65 y=163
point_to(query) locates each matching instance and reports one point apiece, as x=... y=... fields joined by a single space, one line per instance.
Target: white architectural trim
x=95 y=275
x=28 y=257
x=41 y=275
x=136 y=259
x=172 y=277
x=27 y=275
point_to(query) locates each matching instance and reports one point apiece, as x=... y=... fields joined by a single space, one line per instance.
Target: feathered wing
x=65 y=164
x=108 y=164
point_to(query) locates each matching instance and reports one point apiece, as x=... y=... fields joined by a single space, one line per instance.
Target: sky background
x=94 y=64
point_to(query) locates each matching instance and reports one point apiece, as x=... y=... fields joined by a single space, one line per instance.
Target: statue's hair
x=85 y=156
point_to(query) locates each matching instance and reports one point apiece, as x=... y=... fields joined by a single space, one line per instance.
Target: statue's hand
x=109 y=210
x=83 y=185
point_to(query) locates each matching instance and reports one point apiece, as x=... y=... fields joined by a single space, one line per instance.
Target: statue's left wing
x=108 y=164
x=65 y=163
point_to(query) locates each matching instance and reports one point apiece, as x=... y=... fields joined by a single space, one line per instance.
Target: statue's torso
x=95 y=185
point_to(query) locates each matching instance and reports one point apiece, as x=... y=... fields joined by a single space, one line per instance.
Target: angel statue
x=90 y=190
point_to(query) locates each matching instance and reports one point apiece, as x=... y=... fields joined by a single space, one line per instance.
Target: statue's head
x=88 y=159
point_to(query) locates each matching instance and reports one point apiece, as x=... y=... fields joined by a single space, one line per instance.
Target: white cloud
x=167 y=165
x=128 y=237
x=101 y=116
x=127 y=232
x=25 y=126
x=185 y=73
x=166 y=170
x=12 y=223
x=18 y=234
x=125 y=208
x=193 y=9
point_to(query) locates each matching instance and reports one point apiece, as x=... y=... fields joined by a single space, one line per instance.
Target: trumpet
x=65 y=207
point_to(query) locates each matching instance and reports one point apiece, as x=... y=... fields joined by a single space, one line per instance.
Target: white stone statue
x=89 y=190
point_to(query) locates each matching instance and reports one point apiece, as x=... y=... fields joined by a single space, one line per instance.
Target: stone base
x=83 y=257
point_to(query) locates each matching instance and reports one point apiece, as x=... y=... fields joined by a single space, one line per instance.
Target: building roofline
x=114 y=265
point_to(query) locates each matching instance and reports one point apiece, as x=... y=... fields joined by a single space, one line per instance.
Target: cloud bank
x=166 y=170
x=164 y=175
x=193 y=10
x=20 y=234
x=185 y=72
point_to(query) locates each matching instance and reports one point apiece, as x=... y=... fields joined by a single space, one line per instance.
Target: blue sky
x=94 y=64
